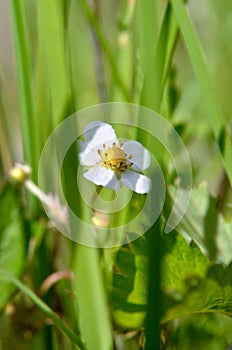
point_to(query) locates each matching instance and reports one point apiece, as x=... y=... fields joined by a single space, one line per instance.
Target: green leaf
x=180 y=260
x=129 y=294
x=203 y=223
x=200 y=332
x=210 y=295
x=12 y=240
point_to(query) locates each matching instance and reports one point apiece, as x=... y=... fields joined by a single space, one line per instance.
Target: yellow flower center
x=114 y=157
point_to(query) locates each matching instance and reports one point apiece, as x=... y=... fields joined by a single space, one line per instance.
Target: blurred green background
x=59 y=56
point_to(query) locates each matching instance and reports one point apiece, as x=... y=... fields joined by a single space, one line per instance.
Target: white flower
x=111 y=163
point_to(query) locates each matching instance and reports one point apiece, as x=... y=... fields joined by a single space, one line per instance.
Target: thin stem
x=45 y=308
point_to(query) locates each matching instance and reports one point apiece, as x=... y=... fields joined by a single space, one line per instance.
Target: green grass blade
x=106 y=48
x=123 y=53
x=94 y=313
x=155 y=76
x=53 y=76
x=215 y=114
x=93 y=310
x=5 y=147
x=26 y=99
x=44 y=307
x=82 y=59
x=147 y=30
x=152 y=322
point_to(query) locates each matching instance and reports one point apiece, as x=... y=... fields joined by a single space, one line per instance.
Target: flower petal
x=102 y=176
x=88 y=157
x=97 y=133
x=136 y=182
x=141 y=158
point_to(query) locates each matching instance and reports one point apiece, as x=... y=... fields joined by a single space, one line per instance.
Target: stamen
x=115 y=157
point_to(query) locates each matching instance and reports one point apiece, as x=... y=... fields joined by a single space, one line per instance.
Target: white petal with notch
x=136 y=182
x=89 y=157
x=101 y=176
x=98 y=133
x=141 y=158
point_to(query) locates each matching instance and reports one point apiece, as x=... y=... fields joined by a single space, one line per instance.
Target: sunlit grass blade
x=123 y=53
x=215 y=114
x=94 y=313
x=30 y=138
x=53 y=75
x=44 y=307
x=156 y=73
x=147 y=28
x=106 y=49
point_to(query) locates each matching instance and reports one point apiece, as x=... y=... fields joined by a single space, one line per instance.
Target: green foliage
x=45 y=308
x=152 y=91
x=193 y=286
x=31 y=142
x=216 y=117
x=211 y=294
x=89 y=282
x=52 y=68
x=180 y=259
x=12 y=239
x=199 y=332
x=190 y=283
x=129 y=285
x=170 y=291
x=204 y=223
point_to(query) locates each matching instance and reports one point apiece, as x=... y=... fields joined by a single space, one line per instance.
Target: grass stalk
x=156 y=74
x=197 y=57
x=30 y=138
x=94 y=313
x=44 y=307
x=105 y=48
x=123 y=53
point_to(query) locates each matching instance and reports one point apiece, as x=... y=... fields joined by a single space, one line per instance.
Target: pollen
x=115 y=158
